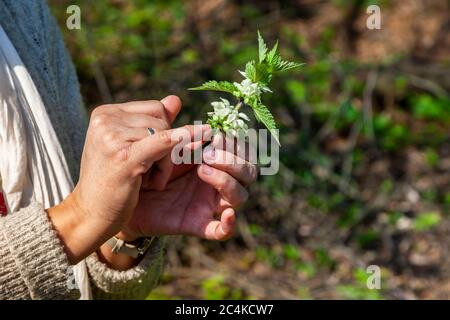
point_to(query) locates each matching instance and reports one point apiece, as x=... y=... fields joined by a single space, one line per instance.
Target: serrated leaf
x=263 y=115
x=273 y=56
x=250 y=71
x=262 y=48
x=263 y=74
x=213 y=85
x=287 y=65
x=258 y=73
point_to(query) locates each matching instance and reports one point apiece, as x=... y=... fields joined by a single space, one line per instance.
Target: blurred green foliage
x=358 y=289
x=426 y=220
x=215 y=288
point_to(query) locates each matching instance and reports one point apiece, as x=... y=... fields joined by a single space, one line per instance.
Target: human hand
x=117 y=152
x=200 y=201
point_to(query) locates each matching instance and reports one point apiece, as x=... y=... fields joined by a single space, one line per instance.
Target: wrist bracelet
x=120 y=246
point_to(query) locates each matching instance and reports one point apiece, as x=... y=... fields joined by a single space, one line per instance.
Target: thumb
x=172 y=105
x=158 y=145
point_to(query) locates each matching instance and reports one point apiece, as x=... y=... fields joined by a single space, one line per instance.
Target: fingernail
x=207 y=170
x=210 y=153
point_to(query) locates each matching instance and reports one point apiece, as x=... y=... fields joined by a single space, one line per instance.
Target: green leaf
x=250 y=71
x=262 y=48
x=274 y=61
x=273 y=57
x=258 y=72
x=263 y=115
x=287 y=65
x=213 y=85
x=263 y=75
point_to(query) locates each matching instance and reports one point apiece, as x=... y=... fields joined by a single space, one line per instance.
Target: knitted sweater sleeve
x=33 y=264
x=135 y=283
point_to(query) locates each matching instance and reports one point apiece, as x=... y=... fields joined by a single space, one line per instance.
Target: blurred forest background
x=365 y=173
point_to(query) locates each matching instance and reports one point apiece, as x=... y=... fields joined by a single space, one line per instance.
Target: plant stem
x=239 y=105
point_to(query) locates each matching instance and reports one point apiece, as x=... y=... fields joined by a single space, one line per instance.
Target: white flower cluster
x=228 y=117
x=248 y=88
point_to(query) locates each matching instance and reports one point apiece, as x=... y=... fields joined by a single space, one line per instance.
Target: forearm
x=113 y=275
x=81 y=237
x=79 y=234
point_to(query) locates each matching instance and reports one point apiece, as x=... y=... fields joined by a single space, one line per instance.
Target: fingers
x=136 y=120
x=223 y=229
x=228 y=187
x=239 y=147
x=160 y=173
x=152 y=108
x=172 y=105
x=167 y=109
x=119 y=118
x=153 y=148
x=134 y=134
x=244 y=171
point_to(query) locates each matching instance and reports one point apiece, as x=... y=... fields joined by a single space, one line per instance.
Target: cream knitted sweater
x=33 y=264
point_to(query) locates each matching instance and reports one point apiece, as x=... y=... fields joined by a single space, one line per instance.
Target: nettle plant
x=227 y=117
